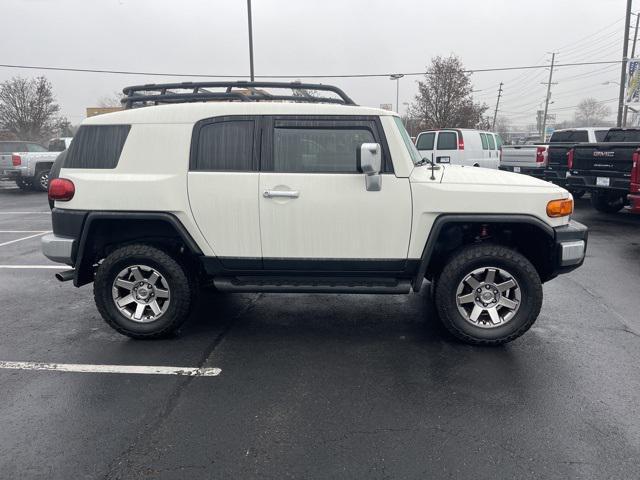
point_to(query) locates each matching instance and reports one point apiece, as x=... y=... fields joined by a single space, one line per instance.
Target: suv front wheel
x=488 y=295
x=143 y=292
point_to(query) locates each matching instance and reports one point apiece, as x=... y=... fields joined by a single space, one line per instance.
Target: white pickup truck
x=29 y=163
x=535 y=158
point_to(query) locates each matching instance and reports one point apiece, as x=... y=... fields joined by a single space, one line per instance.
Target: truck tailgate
x=5 y=161
x=520 y=156
x=604 y=158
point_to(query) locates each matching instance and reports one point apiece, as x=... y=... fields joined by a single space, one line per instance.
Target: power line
x=352 y=75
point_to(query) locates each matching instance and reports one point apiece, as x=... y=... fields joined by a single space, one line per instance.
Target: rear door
x=223 y=184
x=315 y=211
x=425 y=143
x=447 y=148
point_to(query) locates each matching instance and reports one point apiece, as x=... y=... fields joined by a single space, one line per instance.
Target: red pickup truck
x=634 y=190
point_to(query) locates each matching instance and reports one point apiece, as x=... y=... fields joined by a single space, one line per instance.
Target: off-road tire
x=607 y=203
x=23 y=184
x=176 y=275
x=40 y=182
x=473 y=257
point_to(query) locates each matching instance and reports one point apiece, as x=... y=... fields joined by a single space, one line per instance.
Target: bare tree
x=113 y=100
x=444 y=97
x=591 y=113
x=28 y=108
x=503 y=127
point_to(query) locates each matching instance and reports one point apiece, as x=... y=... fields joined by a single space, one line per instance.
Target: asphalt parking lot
x=326 y=386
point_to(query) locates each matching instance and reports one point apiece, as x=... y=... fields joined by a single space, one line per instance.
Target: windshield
x=578 y=136
x=622 y=136
x=413 y=151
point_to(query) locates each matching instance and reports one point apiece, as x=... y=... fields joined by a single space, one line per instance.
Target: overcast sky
x=296 y=37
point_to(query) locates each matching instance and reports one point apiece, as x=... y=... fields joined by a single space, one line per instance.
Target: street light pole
x=397 y=77
x=250 y=40
x=623 y=67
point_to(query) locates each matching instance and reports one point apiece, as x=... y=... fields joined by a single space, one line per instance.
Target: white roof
x=192 y=112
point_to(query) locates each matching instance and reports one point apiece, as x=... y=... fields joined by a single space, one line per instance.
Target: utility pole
x=633 y=54
x=623 y=68
x=250 y=40
x=495 y=114
x=546 y=103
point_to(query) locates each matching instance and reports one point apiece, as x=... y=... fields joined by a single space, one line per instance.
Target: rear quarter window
x=97 y=146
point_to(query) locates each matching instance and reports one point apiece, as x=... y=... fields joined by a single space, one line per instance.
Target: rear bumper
x=634 y=201
x=58 y=248
x=531 y=171
x=12 y=173
x=589 y=182
x=571 y=246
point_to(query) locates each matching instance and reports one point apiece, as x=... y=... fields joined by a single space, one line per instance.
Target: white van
x=461 y=146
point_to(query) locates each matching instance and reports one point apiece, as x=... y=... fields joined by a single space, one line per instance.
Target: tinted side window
x=492 y=143
x=318 y=149
x=485 y=143
x=447 y=141
x=499 y=141
x=600 y=134
x=425 y=141
x=225 y=146
x=57 y=145
x=97 y=146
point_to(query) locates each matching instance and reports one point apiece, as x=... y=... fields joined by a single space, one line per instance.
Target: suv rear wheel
x=488 y=295
x=143 y=292
x=606 y=202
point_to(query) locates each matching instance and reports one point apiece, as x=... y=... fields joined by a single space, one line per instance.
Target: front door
x=315 y=210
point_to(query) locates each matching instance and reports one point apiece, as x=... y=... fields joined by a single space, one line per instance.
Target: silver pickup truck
x=28 y=163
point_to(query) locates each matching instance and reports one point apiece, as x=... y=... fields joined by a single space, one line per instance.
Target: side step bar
x=313 y=285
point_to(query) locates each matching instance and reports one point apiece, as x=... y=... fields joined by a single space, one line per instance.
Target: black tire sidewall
x=518 y=266
x=173 y=274
x=37 y=180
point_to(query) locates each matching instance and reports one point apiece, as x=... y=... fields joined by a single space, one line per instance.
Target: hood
x=486 y=176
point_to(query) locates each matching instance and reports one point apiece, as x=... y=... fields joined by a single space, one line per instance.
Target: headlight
x=560 y=208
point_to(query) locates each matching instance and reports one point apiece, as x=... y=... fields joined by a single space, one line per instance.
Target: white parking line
x=131 y=369
x=35 y=267
x=23 y=238
x=24 y=213
x=23 y=231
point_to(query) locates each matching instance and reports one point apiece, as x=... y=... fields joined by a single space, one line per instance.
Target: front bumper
x=59 y=249
x=571 y=246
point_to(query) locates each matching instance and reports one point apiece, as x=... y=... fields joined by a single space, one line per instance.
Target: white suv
x=254 y=191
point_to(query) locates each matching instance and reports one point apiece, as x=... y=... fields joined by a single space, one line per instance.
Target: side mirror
x=370 y=165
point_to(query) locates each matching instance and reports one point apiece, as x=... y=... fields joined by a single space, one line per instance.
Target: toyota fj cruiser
x=252 y=190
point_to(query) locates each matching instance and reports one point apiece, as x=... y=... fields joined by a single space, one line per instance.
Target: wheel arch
x=104 y=231
x=450 y=232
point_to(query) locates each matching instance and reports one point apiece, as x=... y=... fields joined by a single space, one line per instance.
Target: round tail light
x=61 y=189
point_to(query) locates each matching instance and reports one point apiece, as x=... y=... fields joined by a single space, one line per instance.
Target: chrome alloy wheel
x=44 y=181
x=488 y=297
x=141 y=293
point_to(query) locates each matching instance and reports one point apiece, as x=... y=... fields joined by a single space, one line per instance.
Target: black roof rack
x=241 y=91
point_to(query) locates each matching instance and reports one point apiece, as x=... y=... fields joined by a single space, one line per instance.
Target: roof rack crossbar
x=249 y=92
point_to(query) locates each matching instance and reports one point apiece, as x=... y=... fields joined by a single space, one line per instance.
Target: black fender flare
x=82 y=267
x=448 y=218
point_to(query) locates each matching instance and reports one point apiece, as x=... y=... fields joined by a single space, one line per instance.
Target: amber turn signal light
x=560 y=208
